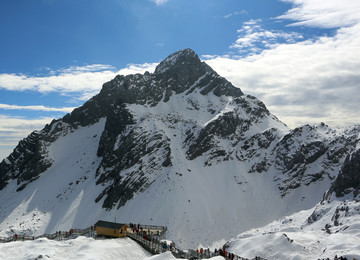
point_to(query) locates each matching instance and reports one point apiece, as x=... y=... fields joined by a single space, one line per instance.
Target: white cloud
x=253 y=38
x=138 y=68
x=13 y=129
x=19 y=124
x=304 y=82
x=324 y=14
x=82 y=81
x=4 y=152
x=65 y=82
x=235 y=13
x=82 y=69
x=37 y=108
x=159 y=2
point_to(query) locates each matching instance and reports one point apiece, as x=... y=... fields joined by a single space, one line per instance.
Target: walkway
x=148 y=236
x=59 y=235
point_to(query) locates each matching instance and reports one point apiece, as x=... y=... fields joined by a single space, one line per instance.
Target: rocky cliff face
x=181 y=120
x=348 y=179
x=27 y=161
x=123 y=144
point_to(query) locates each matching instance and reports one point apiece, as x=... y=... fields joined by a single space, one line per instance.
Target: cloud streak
x=13 y=129
x=324 y=14
x=159 y=2
x=81 y=82
x=37 y=108
x=242 y=12
x=253 y=38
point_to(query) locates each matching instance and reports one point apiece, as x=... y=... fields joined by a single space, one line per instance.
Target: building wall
x=111 y=232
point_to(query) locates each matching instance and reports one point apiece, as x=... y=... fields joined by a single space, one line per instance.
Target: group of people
x=338 y=258
x=227 y=255
x=221 y=252
x=132 y=225
x=203 y=252
x=66 y=233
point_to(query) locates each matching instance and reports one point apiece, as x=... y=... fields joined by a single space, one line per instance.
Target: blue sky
x=301 y=57
x=38 y=34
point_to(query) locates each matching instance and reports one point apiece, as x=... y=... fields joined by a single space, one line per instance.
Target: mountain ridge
x=178 y=147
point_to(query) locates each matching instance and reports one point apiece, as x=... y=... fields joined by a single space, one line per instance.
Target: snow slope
x=298 y=237
x=64 y=195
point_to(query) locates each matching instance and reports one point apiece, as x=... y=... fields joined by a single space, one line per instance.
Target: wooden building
x=110 y=229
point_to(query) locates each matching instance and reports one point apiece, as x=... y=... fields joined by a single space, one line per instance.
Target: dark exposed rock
x=182 y=69
x=298 y=149
x=180 y=72
x=349 y=177
x=27 y=161
x=260 y=140
x=230 y=125
x=224 y=126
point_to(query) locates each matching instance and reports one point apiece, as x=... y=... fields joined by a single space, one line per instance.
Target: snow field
x=293 y=238
x=81 y=248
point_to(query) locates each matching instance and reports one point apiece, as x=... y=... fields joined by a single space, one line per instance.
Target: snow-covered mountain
x=330 y=228
x=180 y=147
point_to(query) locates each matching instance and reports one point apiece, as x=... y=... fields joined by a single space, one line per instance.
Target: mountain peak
x=180 y=72
x=178 y=59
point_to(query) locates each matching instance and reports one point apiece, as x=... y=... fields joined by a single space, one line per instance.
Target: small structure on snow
x=110 y=229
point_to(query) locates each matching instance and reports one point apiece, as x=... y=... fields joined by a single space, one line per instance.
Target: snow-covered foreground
x=79 y=248
x=294 y=237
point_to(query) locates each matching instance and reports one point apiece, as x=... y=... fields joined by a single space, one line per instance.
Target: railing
x=153 y=246
x=149 y=226
x=151 y=242
x=160 y=229
x=231 y=256
x=61 y=235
